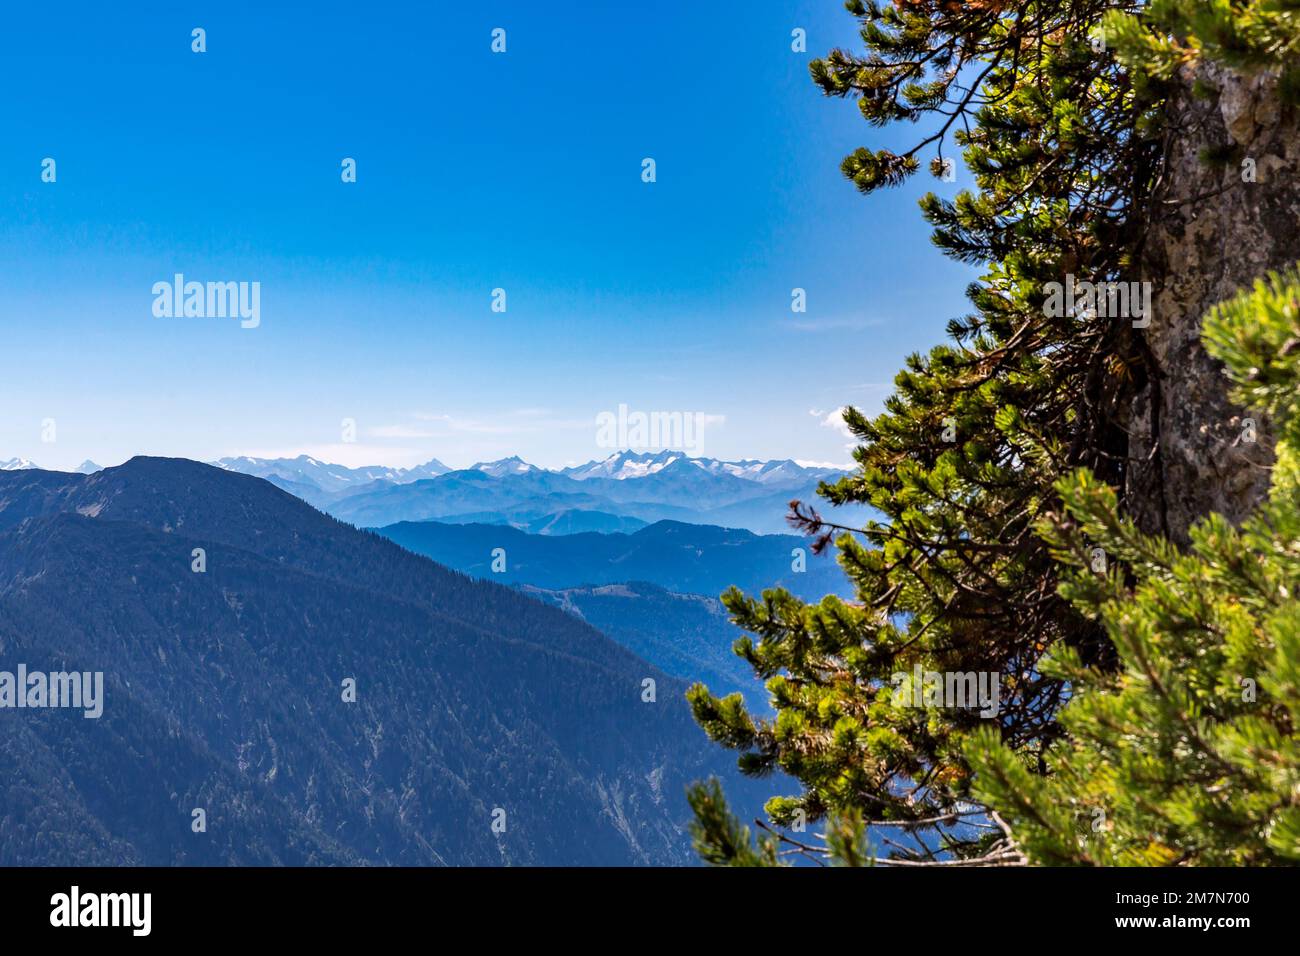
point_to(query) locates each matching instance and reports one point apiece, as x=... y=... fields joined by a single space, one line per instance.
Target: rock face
x=1214 y=229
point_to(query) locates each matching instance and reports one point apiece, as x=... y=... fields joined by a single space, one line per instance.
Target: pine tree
x=1189 y=754
x=1059 y=109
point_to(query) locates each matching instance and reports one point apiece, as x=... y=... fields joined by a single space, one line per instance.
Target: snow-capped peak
x=628 y=464
x=326 y=476
x=514 y=465
x=625 y=464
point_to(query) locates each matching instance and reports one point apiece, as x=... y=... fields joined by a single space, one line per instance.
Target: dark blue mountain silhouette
x=698 y=559
x=223 y=692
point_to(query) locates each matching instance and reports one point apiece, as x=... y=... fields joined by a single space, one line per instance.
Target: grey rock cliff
x=1213 y=232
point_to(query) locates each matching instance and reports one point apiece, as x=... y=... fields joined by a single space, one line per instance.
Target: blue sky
x=475 y=171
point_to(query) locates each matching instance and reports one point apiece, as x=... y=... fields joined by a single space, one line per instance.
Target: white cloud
x=804 y=463
x=832 y=419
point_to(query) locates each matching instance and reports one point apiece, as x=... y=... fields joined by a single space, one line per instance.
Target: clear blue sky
x=475 y=171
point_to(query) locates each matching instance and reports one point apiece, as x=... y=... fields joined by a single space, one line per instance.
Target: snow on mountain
x=430 y=469
x=87 y=467
x=326 y=476
x=787 y=472
x=304 y=473
x=626 y=464
x=514 y=465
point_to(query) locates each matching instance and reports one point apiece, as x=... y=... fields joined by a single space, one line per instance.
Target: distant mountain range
x=620 y=493
x=474 y=702
x=624 y=465
x=623 y=492
x=318 y=476
x=87 y=467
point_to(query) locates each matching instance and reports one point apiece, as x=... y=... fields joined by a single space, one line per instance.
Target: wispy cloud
x=871 y=387
x=519 y=422
x=399 y=432
x=837 y=323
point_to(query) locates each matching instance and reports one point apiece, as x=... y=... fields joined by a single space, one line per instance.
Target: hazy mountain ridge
x=676 y=490
x=654 y=590
x=680 y=557
x=687 y=635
